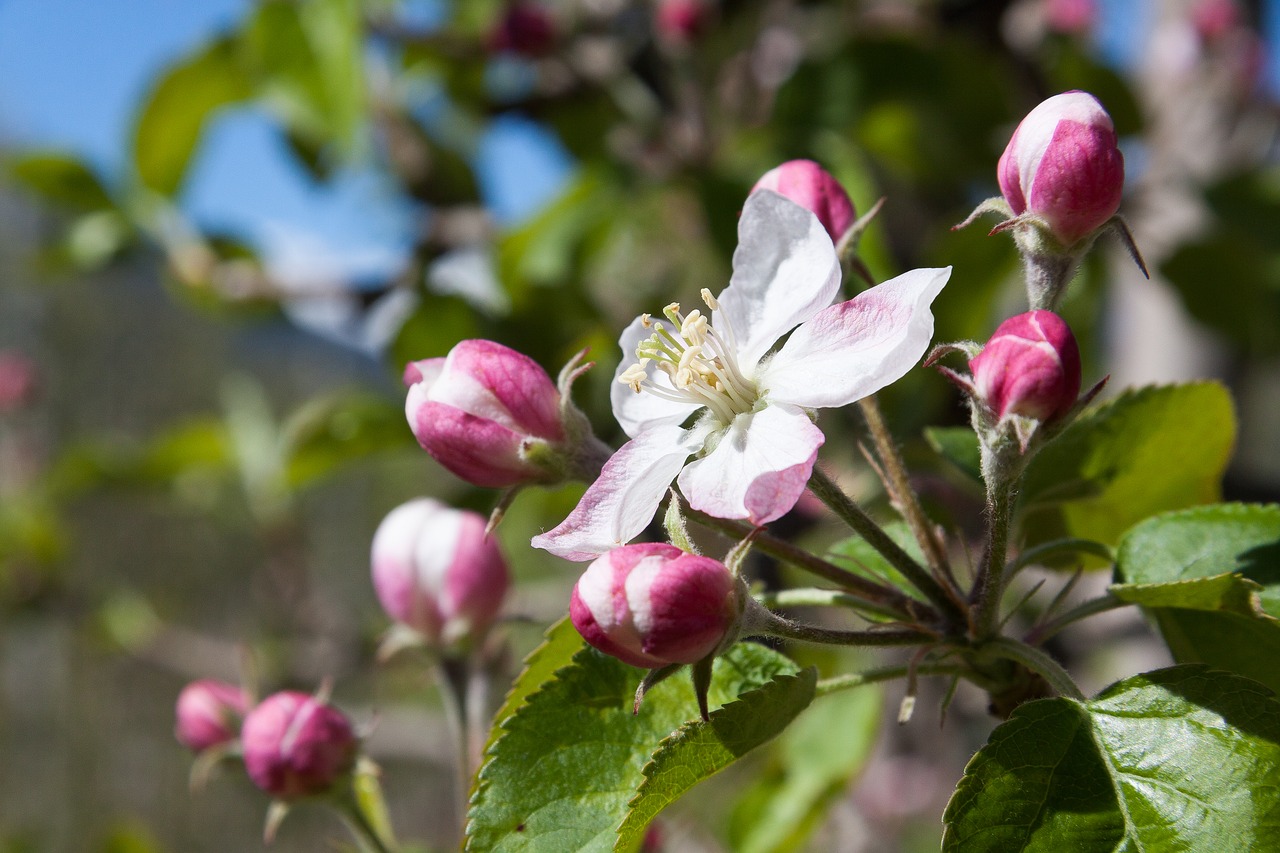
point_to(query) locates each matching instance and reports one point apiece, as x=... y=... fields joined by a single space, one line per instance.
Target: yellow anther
x=711 y=301
x=646 y=320
x=634 y=375
x=694 y=327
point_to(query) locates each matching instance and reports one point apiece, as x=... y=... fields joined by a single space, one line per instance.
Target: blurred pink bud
x=17 y=380
x=524 y=28
x=295 y=745
x=480 y=410
x=651 y=604
x=1030 y=367
x=812 y=187
x=1063 y=166
x=1213 y=19
x=436 y=571
x=681 y=21
x=208 y=714
x=1070 y=17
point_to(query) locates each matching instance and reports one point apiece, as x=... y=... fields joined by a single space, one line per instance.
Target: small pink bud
x=1213 y=19
x=652 y=604
x=17 y=380
x=1030 y=367
x=812 y=187
x=1070 y=17
x=524 y=28
x=436 y=571
x=479 y=410
x=208 y=714
x=681 y=21
x=295 y=745
x=1063 y=166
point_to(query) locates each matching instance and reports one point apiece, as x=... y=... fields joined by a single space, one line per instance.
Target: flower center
x=698 y=360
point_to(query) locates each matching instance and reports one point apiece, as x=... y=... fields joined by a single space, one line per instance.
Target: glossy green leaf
x=813 y=761
x=1147 y=451
x=1184 y=758
x=174 y=114
x=1210 y=577
x=562 y=769
x=700 y=749
x=856 y=555
x=562 y=641
x=61 y=179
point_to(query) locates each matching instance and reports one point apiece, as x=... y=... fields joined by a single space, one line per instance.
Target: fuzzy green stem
x=988 y=589
x=1092 y=607
x=1031 y=556
x=1037 y=661
x=890 y=673
x=862 y=524
x=452 y=676
x=904 y=496
x=810 y=597
x=877 y=598
x=759 y=621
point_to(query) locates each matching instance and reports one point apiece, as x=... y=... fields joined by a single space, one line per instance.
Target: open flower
x=753 y=434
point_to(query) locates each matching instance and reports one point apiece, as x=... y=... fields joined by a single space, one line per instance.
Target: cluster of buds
x=1061 y=178
x=293 y=744
x=437 y=573
x=493 y=417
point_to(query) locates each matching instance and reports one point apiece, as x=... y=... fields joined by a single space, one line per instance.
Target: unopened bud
x=681 y=21
x=1030 y=367
x=436 y=571
x=208 y=714
x=1063 y=167
x=487 y=413
x=812 y=187
x=652 y=604
x=295 y=745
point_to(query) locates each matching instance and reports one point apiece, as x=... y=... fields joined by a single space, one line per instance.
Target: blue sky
x=72 y=72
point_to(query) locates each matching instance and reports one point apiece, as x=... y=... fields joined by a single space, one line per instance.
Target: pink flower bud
x=1030 y=367
x=524 y=28
x=652 y=604
x=17 y=380
x=481 y=409
x=1063 y=166
x=681 y=21
x=208 y=714
x=1070 y=17
x=435 y=571
x=295 y=745
x=812 y=187
x=1213 y=19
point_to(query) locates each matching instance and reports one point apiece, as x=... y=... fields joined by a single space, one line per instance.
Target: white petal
x=857 y=347
x=622 y=500
x=639 y=412
x=759 y=469
x=785 y=270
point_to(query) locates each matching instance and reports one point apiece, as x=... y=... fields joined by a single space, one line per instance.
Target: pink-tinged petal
x=476 y=581
x=813 y=188
x=492 y=381
x=681 y=607
x=759 y=469
x=622 y=501
x=1078 y=194
x=477 y=449
x=426 y=371
x=855 y=348
x=785 y=270
x=639 y=412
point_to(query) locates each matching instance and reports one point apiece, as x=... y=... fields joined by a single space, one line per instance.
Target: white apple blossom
x=754 y=435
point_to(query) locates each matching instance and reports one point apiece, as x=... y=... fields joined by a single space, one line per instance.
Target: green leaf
x=700 y=749
x=1147 y=451
x=61 y=179
x=556 y=651
x=1210 y=577
x=959 y=446
x=563 y=767
x=814 y=760
x=175 y=112
x=1184 y=758
x=1243 y=312
x=856 y=555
